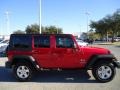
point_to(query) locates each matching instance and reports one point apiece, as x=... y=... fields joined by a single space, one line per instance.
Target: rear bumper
x=8 y=64
x=117 y=63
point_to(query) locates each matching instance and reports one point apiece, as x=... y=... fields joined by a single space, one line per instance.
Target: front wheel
x=104 y=72
x=23 y=72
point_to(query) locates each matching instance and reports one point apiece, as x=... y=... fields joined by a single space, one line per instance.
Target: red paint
x=54 y=57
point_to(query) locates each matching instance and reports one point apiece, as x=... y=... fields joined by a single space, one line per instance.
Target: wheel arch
x=98 y=58
x=24 y=59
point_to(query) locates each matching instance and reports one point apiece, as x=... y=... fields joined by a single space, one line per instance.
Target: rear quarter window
x=21 y=42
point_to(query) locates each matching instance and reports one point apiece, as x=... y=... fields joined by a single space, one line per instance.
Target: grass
x=116 y=43
x=109 y=43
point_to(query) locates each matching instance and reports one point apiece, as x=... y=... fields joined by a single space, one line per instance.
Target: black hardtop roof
x=40 y=34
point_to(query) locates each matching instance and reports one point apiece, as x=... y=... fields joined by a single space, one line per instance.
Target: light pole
x=40 y=9
x=87 y=14
x=7 y=21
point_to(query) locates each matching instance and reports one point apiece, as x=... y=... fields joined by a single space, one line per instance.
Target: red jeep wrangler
x=30 y=52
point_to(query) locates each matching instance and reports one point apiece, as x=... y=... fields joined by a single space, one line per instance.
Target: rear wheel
x=104 y=71
x=23 y=72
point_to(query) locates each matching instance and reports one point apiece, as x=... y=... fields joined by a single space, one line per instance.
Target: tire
x=104 y=72
x=22 y=71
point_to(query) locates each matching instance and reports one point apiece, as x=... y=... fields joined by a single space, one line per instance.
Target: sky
x=70 y=15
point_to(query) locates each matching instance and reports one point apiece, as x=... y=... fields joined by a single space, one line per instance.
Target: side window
x=42 y=41
x=64 y=42
x=21 y=42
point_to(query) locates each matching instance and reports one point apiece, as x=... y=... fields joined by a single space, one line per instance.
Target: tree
x=52 y=30
x=116 y=21
x=98 y=26
x=18 y=32
x=93 y=36
x=109 y=25
x=33 y=29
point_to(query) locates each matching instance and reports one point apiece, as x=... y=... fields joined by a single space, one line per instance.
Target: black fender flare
x=95 y=58
x=24 y=58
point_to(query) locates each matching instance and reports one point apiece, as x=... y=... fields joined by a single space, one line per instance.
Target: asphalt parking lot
x=56 y=80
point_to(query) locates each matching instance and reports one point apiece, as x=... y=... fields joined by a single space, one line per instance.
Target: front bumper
x=117 y=63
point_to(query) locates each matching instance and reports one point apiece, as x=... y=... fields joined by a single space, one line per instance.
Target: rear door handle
x=36 y=51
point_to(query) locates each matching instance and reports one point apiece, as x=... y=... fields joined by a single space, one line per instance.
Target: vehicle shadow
x=69 y=76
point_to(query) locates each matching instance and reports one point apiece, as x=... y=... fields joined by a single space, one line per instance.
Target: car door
x=65 y=54
x=42 y=51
